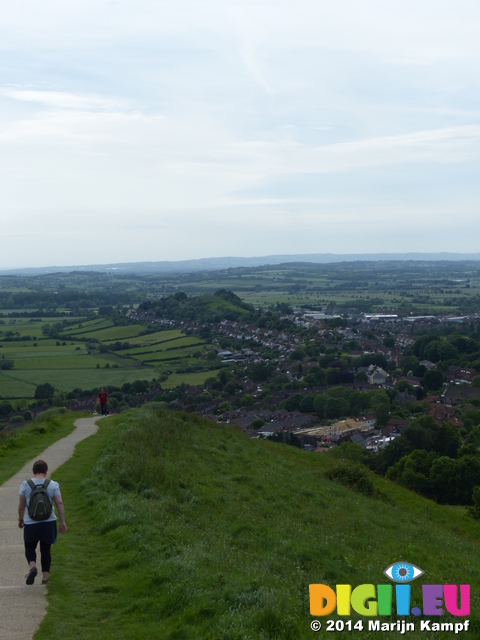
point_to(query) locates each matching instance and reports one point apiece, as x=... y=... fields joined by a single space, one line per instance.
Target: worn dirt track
x=22 y=608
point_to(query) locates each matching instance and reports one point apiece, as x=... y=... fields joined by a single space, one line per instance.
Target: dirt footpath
x=22 y=608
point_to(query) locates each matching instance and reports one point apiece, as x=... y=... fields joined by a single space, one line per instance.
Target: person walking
x=103 y=398
x=36 y=516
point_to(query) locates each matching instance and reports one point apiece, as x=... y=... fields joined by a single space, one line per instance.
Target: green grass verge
x=183 y=529
x=28 y=441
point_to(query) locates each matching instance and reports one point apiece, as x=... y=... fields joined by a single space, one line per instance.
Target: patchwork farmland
x=89 y=354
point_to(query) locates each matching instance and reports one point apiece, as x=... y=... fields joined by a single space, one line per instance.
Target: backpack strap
x=33 y=486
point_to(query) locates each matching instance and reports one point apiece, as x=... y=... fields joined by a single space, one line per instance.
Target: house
x=454 y=394
x=394 y=425
x=376 y=375
x=370 y=420
x=427 y=364
x=461 y=375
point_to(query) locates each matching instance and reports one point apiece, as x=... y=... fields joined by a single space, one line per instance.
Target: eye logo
x=403 y=572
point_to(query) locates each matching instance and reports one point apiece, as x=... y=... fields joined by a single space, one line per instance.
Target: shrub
x=353 y=475
x=45 y=416
x=5 y=408
x=474 y=511
x=16 y=419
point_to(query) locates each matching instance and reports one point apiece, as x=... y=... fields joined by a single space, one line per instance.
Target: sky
x=178 y=129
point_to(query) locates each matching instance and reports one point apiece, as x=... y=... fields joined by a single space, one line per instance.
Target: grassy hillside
x=21 y=445
x=183 y=529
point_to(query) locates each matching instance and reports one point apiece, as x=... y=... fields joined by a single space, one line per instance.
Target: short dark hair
x=40 y=466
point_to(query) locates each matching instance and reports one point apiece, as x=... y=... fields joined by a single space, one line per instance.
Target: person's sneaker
x=45 y=581
x=31 y=575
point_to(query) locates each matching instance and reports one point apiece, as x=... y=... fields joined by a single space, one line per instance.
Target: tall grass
x=183 y=529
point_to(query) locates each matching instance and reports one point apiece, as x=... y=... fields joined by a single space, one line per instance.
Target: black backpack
x=40 y=506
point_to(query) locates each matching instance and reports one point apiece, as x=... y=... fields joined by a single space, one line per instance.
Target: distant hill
x=204 y=308
x=213 y=264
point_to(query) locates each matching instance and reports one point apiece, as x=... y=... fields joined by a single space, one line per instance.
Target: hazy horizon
x=225 y=262
x=154 y=131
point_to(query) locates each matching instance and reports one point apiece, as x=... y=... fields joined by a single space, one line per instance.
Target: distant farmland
x=93 y=353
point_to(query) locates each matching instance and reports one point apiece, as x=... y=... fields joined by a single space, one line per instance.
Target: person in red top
x=103 y=397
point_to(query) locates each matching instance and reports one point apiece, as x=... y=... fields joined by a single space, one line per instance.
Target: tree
x=336 y=407
x=293 y=402
x=319 y=403
x=307 y=404
x=474 y=512
x=476 y=382
x=258 y=372
x=5 y=409
x=247 y=400
x=468 y=477
x=44 y=391
x=432 y=380
x=298 y=354
x=468 y=450
x=361 y=376
x=404 y=384
x=443 y=480
x=382 y=412
x=448 y=440
x=447 y=351
x=6 y=364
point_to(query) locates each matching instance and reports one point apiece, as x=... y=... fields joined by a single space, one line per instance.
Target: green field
x=154 y=338
x=114 y=333
x=12 y=386
x=166 y=345
x=188 y=378
x=88 y=326
x=23 y=383
x=82 y=361
x=69 y=366
x=44 y=349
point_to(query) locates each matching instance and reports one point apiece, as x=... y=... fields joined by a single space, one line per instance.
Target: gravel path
x=22 y=608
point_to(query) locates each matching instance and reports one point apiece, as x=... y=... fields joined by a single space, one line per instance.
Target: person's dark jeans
x=45 y=552
x=46 y=534
x=104 y=408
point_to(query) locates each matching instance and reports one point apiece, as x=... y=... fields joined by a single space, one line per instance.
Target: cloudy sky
x=177 y=129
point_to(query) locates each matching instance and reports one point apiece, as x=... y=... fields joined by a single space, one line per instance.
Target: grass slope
x=19 y=446
x=183 y=529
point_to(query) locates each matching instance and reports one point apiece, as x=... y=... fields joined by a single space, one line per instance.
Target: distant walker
x=103 y=398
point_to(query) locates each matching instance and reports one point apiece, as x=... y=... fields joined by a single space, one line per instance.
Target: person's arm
x=22 y=505
x=61 y=513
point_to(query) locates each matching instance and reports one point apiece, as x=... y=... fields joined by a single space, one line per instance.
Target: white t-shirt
x=53 y=489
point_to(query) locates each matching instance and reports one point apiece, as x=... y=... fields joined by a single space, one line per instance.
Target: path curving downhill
x=22 y=608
